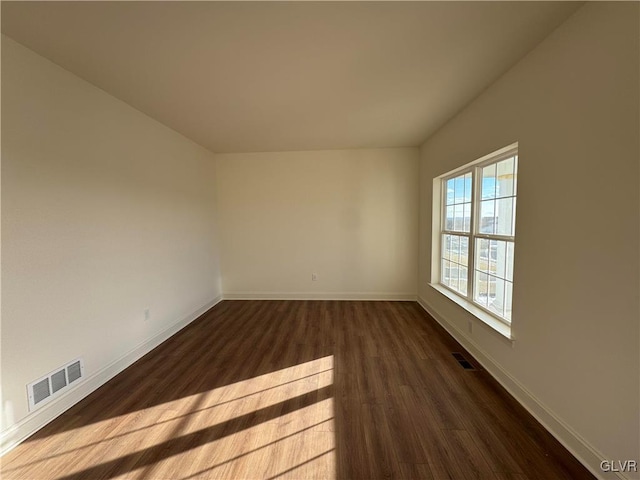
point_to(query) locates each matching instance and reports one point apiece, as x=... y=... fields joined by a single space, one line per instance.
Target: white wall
x=572 y=103
x=351 y=216
x=105 y=212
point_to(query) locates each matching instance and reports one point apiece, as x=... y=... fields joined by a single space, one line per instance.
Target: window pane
x=446 y=246
x=496 y=295
x=464 y=250
x=459 y=218
x=455 y=249
x=459 y=188
x=493 y=247
x=450 y=186
x=505 y=177
x=487 y=216
x=448 y=224
x=467 y=217
x=509 y=263
x=454 y=276
x=501 y=259
x=467 y=187
x=462 y=287
x=488 y=184
x=445 y=274
x=482 y=255
x=504 y=216
x=491 y=289
x=481 y=288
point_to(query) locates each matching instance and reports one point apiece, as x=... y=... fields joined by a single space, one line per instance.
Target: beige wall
x=105 y=213
x=351 y=216
x=572 y=104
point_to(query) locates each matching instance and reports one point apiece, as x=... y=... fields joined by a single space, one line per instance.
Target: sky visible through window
x=464 y=185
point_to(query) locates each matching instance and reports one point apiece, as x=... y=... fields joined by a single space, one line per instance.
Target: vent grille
x=74 y=371
x=463 y=361
x=58 y=381
x=48 y=387
x=41 y=391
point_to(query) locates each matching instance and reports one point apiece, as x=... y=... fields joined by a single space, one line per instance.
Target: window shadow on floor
x=298 y=389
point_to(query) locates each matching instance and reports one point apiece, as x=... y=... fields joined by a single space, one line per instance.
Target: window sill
x=484 y=317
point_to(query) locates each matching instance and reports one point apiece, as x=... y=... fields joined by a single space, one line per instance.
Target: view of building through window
x=478 y=234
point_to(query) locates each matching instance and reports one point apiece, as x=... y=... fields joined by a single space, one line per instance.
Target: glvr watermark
x=619 y=466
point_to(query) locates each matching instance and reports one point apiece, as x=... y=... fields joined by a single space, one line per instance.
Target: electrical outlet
x=314 y=277
x=147 y=314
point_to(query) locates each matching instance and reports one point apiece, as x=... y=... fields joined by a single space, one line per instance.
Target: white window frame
x=498 y=323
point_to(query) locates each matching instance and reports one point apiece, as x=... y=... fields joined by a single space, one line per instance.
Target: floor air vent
x=48 y=387
x=463 y=361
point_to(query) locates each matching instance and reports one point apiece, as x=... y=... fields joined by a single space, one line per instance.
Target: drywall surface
x=105 y=213
x=350 y=216
x=572 y=104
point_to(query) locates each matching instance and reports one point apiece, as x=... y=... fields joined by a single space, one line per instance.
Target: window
x=474 y=251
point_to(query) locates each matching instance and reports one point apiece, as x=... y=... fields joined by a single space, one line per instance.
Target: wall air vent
x=463 y=361
x=46 y=388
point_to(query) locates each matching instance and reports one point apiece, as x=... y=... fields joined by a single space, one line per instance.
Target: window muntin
x=477 y=237
x=455 y=257
x=456 y=230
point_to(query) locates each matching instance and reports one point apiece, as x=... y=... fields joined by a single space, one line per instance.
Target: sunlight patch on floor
x=274 y=425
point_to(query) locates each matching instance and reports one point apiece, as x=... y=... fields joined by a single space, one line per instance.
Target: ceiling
x=277 y=76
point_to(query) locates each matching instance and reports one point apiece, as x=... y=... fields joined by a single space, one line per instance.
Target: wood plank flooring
x=298 y=389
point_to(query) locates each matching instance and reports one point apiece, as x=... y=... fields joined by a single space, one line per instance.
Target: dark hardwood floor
x=298 y=389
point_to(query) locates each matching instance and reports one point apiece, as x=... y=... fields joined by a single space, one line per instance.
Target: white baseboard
x=590 y=457
x=320 y=296
x=17 y=433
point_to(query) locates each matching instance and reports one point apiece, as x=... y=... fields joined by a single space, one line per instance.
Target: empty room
x=320 y=240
